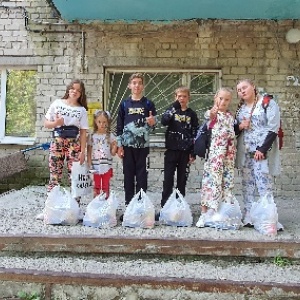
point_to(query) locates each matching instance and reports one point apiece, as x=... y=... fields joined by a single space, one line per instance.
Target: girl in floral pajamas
x=218 y=175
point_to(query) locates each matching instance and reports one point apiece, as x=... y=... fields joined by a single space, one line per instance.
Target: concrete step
x=140 y=277
x=78 y=244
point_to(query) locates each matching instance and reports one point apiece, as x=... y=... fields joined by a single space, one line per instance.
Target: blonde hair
x=183 y=89
x=224 y=89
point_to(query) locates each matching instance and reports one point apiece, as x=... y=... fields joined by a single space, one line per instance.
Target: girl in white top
x=68 y=119
x=101 y=147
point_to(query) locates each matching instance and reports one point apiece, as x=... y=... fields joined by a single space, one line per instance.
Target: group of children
x=254 y=129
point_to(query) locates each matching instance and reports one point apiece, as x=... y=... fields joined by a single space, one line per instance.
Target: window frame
x=159 y=139
x=6 y=139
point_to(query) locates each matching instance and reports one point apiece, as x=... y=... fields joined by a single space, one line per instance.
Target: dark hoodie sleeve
x=195 y=126
x=267 y=144
x=120 y=119
x=168 y=114
x=236 y=127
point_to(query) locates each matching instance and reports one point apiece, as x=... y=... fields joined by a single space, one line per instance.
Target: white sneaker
x=279 y=227
x=201 y=221
x=40 y=217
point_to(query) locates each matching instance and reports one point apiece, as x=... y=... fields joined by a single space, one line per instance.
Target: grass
x=29 y=296
x=281 y=261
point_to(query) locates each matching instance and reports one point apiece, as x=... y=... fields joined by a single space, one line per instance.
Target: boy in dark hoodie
x=182 y=124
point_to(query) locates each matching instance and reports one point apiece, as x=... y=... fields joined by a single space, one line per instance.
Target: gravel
x=19 y=208
x=212 y=269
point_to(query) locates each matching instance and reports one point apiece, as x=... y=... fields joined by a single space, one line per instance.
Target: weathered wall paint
x=167 y=10
x=250 y=48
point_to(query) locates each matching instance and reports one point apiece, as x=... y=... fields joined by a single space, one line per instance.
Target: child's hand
x=59 y=120
x=213 y=112
x=176 y=105
x=259 y=155
x=150 y=120
x=81 y=157
x=113 y=148
x=191 y=159
x=121 y=152
x=245 y=123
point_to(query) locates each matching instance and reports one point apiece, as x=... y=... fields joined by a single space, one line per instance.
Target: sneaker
x=247 y=222
x=40 y=217
x=201 y=221
x=279 y=227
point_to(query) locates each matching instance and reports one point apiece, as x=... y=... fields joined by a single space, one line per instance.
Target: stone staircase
x=113 y=268
x=163 y=263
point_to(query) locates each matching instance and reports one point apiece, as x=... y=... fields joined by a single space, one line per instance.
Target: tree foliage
x=20 y=103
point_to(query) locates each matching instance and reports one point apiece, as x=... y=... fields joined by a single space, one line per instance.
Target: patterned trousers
x=218 y=174
x=255 y=174
x=61 y=150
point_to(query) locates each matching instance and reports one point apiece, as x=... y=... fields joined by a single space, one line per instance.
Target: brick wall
x=60 y=52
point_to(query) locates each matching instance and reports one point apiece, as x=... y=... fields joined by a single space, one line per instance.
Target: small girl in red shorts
x=101 y=147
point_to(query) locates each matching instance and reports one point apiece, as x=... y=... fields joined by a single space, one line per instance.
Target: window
x=159 y=86
x=17 y=106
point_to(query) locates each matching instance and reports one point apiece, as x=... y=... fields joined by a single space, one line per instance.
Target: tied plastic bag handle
x=180 y=198
x=267 y=200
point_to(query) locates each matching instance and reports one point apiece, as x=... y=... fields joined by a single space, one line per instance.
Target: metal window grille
x=159 y=86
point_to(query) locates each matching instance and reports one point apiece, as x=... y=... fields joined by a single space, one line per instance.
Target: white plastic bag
x=101 y=213
x=81 y=181
x=264 y=216
x=140 y=212
x=176 y=211
x=228 y=215
x=61 y=208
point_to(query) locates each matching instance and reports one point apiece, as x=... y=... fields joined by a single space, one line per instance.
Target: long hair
x=242 y=101
x=82 y=99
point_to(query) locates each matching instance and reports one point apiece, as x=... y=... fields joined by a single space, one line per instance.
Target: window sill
x=157 y=143
x=17 y=141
